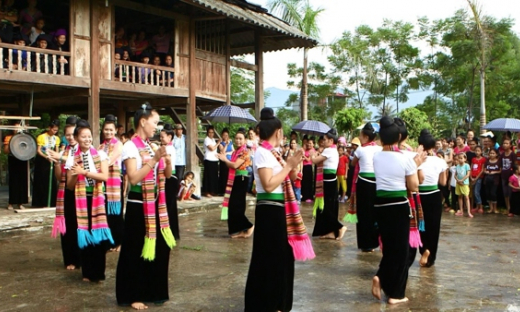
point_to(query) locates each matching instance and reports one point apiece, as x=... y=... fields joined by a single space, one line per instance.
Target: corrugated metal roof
x=295 y=38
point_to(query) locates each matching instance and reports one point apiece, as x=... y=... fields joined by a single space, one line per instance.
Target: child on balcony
x=37 y=30
x=42 y=42
x=19 y=40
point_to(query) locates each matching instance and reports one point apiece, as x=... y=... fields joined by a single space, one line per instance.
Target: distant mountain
x=278 y=97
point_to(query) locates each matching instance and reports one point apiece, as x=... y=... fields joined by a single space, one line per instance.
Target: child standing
x=492 y=171
x=297 y=184
x=342 y=173
x=463 y=172
x=452 y=187
x=477 y=172
x=514 y=184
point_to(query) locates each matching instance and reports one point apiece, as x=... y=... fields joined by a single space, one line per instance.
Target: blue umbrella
x=311 y=127
x=229 y=114
x=504 y=124
x=375 y=125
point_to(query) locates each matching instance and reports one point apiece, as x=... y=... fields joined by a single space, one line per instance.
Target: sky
x=346 y=15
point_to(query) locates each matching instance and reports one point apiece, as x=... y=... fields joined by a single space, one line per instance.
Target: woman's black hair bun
x=71 y=120
x=146 y=106
x=425 y=132
x=110 y=118
x=82 y=123
x=386 y=122
x=241 y=130
x=267 y=113
x=55 y=122
x=368 y=126
x=168 y=127
x=332 y=132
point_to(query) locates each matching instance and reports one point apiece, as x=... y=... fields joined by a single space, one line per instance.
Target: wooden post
x=228 y=65
x=192 y=133
x=121 y=115
x=93 y=100
x=259 y=74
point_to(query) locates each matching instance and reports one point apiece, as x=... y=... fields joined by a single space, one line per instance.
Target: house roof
x=278 y=35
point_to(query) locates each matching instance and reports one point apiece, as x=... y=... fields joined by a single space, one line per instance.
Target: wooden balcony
x=20 y=64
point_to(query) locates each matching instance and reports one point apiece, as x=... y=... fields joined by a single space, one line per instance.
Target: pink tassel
x=380 y=243
x=302 y=249
x=415 y=238
x=58 y=226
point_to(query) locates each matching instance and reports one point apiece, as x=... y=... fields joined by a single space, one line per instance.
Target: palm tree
x=303 y=16
x=385 y=110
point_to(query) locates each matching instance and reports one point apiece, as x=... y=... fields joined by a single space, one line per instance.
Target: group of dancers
x=386 y=202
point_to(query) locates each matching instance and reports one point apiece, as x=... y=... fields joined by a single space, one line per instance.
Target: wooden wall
x=182 y=55
x=106 y=50
x=80 y=39
x=210 y=70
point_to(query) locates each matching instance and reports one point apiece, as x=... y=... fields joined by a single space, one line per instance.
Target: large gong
x=23 y=146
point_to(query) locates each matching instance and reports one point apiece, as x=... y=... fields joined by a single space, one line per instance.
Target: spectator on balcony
x=144 y=71
x=141 y=44
x=169 y=74
x=42 y=42
x=20 y=40
x=120 y=39
x=121 y=69
x=29 y=16
x=8 y=20
x=60 y=44
x=161 y=42
x=37 y=30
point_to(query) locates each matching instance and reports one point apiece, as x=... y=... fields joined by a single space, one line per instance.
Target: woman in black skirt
x=171 y=184
x=17 y=169
x=392 y=212
x=431 y=174
x=142 y=276
x=365 y=190
x=210 y=180
x=86 y=172
x=42 y=167
x=66 y=201
x=236 y=187
x=307 y=173
x=327 y=208
x=270 y=279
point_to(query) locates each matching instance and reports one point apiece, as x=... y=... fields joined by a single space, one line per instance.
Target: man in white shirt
x=179 y=142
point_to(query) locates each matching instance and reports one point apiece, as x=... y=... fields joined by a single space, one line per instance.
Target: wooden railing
x=35 y=59
x=145 y=74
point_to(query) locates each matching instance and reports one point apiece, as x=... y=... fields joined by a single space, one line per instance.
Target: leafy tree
x=348 y=119
x=415 y=121
x=303 y=16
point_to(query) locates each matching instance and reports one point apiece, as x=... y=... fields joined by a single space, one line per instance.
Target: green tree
x=303 y=16
x=415 y=120
x=348 y=119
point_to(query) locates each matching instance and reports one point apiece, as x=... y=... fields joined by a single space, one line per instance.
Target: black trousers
x=327 y=219
x=394 y=226
x=366 y=230
x=237 y=220
x=432 y=209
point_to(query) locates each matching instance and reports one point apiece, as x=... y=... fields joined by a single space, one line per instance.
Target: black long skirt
x=270 y=279
x=93 y=257
x=432 y=209
x=350 y=177
x=366 y=229
x=42 y=171
x=327 y=219
x=139 y=280
x=116 y=222
x=69 y=241
x=394 y=226
x=237 y=220
x=210 y=180
x=172 y=188
x=514 y=199
x=18 y=192
x=222 y=178
x=307 y=178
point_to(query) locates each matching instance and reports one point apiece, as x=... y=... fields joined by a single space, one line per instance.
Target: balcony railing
x=145 y=74
x=15 y=57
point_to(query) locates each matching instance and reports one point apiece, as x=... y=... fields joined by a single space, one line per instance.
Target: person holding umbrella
x=44 y=188
x=210 y=182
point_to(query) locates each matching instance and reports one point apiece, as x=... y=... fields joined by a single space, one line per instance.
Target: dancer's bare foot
x=71 y=267
x=424 y=258
x=139 y=306
x=10 y=207
x=249 y=232
x=21 y=207
x=86 y=279
x=328 y=236
x=396 y=301
x=376 y=288
x=239 y=235
x=341 y=233
x=470 y=215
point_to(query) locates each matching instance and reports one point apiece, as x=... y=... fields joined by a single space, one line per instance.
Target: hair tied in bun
x=71 y=120
x=110 y=118
x=368 y=126
x=167 y=127
x=146 y=106
x=386 y=122
x=55 y=122
x=82 y=123
x=267 y=113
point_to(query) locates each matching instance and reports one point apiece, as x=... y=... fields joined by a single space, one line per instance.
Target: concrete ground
x=477 y=269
